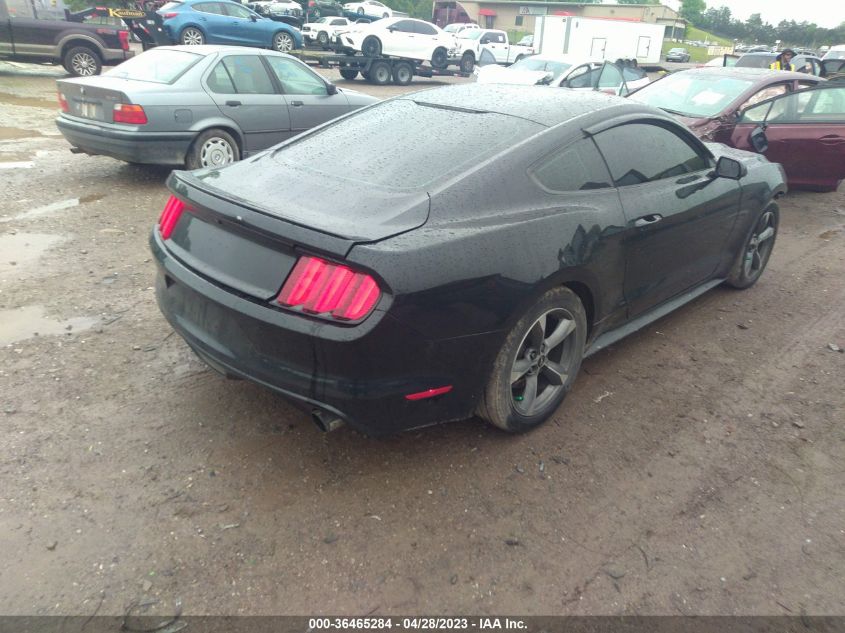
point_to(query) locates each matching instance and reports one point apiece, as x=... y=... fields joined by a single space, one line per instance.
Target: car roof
x=534 y=103
x=209 y=49
x=574 y=60
x=758 y=74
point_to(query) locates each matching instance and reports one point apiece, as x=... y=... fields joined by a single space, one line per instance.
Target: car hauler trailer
x=598 y=38
x=378 y=70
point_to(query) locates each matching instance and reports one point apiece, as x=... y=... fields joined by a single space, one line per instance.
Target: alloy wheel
x=283 y=42
x=83 y=64
x=543 y=362
x=216 y=152
x=192 y=37
x=759 y=245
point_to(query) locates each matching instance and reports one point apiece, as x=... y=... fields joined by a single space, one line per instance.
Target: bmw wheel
x=752 y=259
x=213 y=148
x=81 y=61
x=537 y=364
x=283 y=42
x=192 y=37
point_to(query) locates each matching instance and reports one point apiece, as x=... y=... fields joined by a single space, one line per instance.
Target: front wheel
x=467 y=63
x=439 y=59
x=192 y=37
x=756 y=250
x=537 y=364
x=371 y=47
x=212 y=148
x=81 y=61
x=323 y=39
x=283 y=42
x=360 y=10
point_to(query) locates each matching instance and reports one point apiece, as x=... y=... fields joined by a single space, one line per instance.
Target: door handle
x=648 y=220
x=233 y=104
x=296 y=104
x=832 y=139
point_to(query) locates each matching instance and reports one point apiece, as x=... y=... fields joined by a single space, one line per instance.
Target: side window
x=826 y=105
x=237 y=12
x=296 y=79
x=577 y=167
x=219 y=80
x=203 y=7
x=404 y=26
x=756 y=114
x=581 y=77
x=765 y=93
x=498 y=38
x=338 y=22
x=610 y=78
x=637 y=153
x=248 y=75
x=424 y=28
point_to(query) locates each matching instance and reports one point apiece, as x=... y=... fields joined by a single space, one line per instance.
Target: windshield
x=383 y=162
x=322 y=20
x=538 y=63
x=755 y=61
x=451 y=28
x=156 y=66
x=470 y=34
x=693 y=94
x=835 y=55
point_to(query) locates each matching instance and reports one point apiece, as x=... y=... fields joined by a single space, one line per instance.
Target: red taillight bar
x=330 y=290
x=129 y=113
x=170 y=216
x=63 y=102
x=124 y=39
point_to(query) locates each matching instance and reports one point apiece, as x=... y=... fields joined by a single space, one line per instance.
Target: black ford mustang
x=485 y=239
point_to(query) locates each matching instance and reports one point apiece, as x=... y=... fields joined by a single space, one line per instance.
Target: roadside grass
x=697 y=35
x=698 y=54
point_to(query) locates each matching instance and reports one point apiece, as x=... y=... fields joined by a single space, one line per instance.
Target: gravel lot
x=697 y=467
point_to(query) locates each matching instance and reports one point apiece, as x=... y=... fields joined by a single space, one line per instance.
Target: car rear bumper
x=112 y=57
x=158 y=148
x=361 y=374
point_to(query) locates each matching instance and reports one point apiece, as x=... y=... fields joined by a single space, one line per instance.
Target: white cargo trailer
x=598 y=38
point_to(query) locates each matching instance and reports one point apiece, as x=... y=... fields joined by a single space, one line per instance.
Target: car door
x=492 y=42
x=400 y=39
x=678 y=218
x=805 y=132
x=243 y=91
x=307 y=95
x=213 y=20
x=427 y=37
x=244 y=27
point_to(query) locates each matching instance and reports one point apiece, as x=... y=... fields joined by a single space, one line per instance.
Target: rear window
x=156 y=66
x=169 y=6
x=396 y=147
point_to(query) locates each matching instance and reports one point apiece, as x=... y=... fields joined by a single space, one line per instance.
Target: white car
x=458 y=27
x=569 y=71
x=284 y=8
x=369 y=7
x=324 y=30
x=401 y=37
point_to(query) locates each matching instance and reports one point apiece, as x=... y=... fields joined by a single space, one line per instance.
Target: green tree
x=692 y=10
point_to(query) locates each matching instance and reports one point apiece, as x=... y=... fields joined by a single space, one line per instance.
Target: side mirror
x=331 y=89
x=758 y=140
x=730 y=168
x=253 y=17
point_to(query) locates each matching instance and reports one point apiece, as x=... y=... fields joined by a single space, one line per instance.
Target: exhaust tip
x=326 y=421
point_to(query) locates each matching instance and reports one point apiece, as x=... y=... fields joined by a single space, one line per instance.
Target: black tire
x=283 y=42
x=323 y=39
x=191 y=36
x=380 y=73
x=365 y=75
x=212 y=148
x=360 y=10
x=467 y=63
x=82 y=61
x=371 y=46
x=385 y=15
x=348 y=73
x=440 y=58
x=756 y=249
x=519 y=58
x=544 y=348
x=403 y=73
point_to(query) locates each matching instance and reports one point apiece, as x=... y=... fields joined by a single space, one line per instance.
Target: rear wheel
x=380 y=73
x=323 y=39
x=191 y=36
x=440 y=59
x=467 y=63
x=403 y=73
x=756 y=250
x=213 y=148
x=283 y=42
x=371 y=47
x=81 y=61
x=348 y=73
x=537 y=364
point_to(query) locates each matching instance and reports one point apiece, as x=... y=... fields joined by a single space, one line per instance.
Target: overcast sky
x=826 y=13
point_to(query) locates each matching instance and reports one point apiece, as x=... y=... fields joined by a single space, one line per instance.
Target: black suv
x=83 y=49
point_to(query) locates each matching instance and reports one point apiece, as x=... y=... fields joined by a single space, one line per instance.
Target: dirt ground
x=698 y=467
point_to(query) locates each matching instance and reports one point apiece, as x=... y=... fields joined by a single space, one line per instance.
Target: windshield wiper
x=686 y=114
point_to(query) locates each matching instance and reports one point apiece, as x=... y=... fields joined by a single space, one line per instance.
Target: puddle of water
x=25 y=323
x=32 y=102
x=12 y=133
x=21 y=249
x=19 y=164
x=61 y=205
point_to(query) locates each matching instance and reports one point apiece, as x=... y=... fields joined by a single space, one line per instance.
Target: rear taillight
x=324 y=288
x=168 y=16
x=124 y=39
x=170 y=216
x=132 y=114
x=63 y=102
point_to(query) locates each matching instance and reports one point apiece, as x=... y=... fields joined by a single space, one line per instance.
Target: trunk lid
x=93 y=97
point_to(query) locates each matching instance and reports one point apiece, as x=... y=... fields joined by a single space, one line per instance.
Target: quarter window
x=637 y=153
x=577 y=167
x=424 y=28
